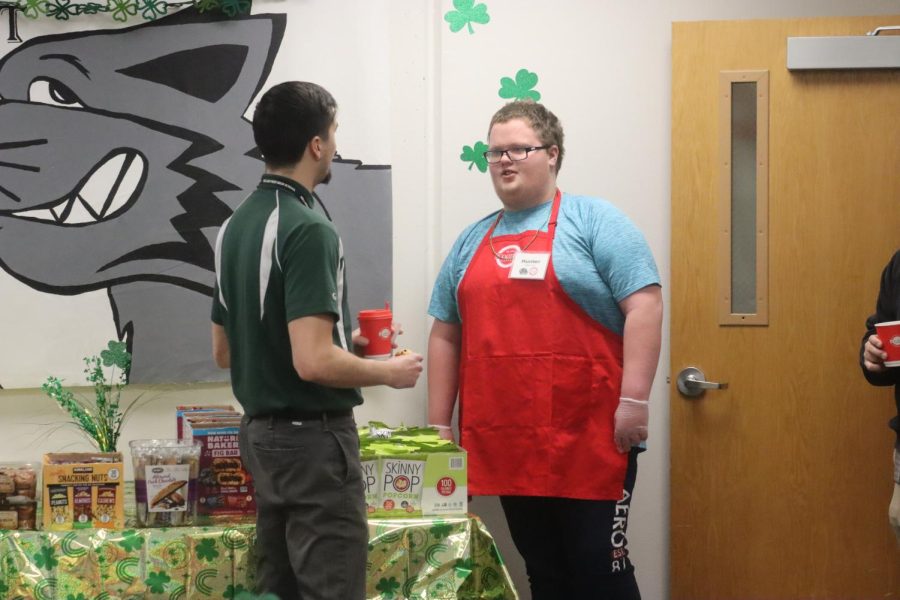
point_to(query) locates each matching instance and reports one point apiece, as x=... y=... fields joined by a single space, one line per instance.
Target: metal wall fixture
x=870 y=51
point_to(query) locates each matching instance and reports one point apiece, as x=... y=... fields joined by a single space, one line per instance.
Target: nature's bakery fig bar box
x=224 y=488
x=83 y=490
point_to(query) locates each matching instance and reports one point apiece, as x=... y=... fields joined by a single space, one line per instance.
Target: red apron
x=539 y=381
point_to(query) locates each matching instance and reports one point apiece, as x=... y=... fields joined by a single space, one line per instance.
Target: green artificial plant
x=99 y=419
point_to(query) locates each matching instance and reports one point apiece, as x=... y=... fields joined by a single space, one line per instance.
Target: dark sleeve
x=885 y=310
x=311 y=264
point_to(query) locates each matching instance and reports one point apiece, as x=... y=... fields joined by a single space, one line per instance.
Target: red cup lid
x=376 y=313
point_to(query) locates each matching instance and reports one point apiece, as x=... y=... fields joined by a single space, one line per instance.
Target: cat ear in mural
x=212 y=58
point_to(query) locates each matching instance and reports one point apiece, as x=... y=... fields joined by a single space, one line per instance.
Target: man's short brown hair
x=545 y=124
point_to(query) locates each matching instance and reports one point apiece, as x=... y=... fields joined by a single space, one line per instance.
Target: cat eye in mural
x=122 y=151
x=520 y=88
x=465 y=13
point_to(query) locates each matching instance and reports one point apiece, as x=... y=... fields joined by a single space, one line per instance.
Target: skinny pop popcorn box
x=411 y=472
x=401 y=484
x=371 y=478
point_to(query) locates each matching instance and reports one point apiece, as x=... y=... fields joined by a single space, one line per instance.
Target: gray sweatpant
x=311 y=530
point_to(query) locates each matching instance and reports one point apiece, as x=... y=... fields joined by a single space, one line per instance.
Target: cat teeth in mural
x=122 y=152
x=109 y=190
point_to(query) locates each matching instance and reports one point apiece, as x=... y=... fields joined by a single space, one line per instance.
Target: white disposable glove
x=894 y=511
x=631 y=421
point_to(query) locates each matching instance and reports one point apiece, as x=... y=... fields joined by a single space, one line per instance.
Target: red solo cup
x=889 y=334
x=376 y=326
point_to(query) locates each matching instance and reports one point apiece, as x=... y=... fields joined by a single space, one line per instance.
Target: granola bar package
x=165 y=481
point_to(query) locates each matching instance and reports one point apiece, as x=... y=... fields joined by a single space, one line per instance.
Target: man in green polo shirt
x=281 y=324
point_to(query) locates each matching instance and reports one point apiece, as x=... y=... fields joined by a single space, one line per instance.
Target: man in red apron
x=547 y=325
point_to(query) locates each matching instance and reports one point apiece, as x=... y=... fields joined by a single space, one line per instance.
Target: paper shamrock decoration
x=474 y=155
x=521 y=87
x=466 y=13
x=120 y=10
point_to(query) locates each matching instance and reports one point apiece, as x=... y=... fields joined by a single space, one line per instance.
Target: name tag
x=529 y=265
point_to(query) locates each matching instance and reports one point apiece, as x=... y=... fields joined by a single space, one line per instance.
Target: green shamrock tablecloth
x=430 y=559
x=424 y=559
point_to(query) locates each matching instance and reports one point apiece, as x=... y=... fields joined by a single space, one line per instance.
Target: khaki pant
x=312 y=536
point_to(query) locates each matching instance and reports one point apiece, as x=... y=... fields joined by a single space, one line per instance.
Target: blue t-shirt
x=599 y=256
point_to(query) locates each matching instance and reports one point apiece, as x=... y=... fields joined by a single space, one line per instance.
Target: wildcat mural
x=121 y=153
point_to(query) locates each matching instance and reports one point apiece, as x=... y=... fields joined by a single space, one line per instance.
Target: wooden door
x=780 y=484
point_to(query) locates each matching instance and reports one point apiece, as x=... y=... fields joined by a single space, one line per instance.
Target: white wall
x=604 y=70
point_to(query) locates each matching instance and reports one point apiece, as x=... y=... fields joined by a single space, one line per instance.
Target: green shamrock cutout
x=153 y=9
x=474 y=155
x=46 y=558
x=235 y=7
x=388 y=587
x=206 y=550
x=122 y=9
x=521 y=88
x=117 y=354
x=157 y=581
x=33 y=8
x=466 y=13
x=80 y=596
x=131 y=540
x=61 y=9
x=207 y=5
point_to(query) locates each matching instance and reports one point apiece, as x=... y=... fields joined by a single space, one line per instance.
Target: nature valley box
x=83 y=490
x=411 y=472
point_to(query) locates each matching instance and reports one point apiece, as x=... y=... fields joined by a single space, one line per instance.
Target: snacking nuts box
x=83 y=490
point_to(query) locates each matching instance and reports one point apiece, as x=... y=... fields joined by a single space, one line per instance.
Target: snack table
x=425 y=559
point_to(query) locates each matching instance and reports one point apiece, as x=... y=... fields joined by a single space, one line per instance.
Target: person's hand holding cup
x=882 y=350
x=376 y=333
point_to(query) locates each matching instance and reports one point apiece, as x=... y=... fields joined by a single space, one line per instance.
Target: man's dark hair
x=287 y=117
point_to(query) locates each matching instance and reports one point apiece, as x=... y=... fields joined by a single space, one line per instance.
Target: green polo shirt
x=278 y=260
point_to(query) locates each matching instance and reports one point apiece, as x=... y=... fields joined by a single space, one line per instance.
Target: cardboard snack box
x=416 y=485
x=181 y=412
x=83 y=490
x=412 y=472
x=224 y=487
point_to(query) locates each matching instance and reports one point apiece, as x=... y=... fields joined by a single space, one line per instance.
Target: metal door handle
x=692 y=382
x=878 y=30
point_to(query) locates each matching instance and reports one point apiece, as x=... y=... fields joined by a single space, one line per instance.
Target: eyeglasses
x=514 y=154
